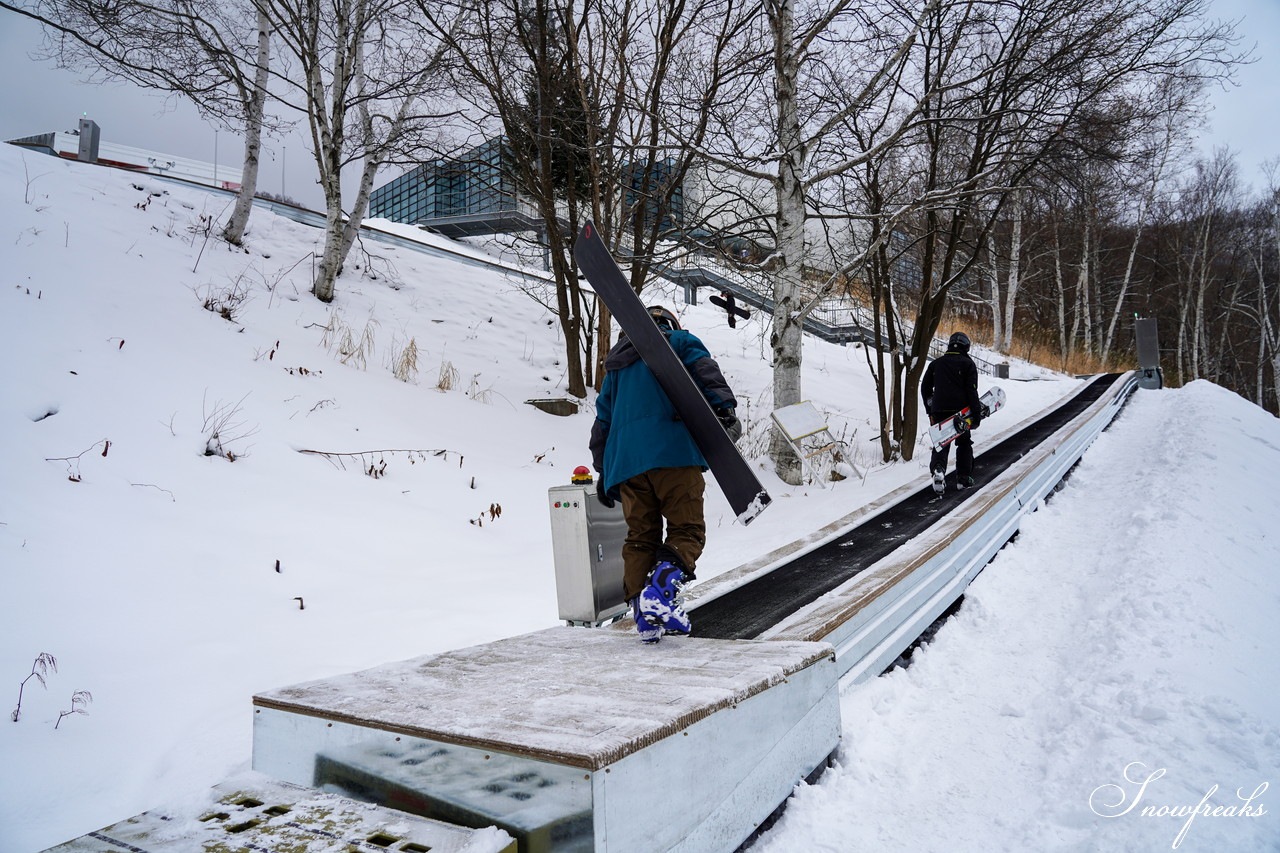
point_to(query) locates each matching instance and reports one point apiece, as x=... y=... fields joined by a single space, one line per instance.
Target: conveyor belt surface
x=749 y=610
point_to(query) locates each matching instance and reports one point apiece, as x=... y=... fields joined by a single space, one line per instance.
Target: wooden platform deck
x=568 y=738
x=574 y=696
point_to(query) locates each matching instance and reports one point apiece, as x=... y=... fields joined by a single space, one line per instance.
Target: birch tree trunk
x=255 y=105
x=1124 y=292
x=1079 y=302
x=1184 y=305
x=1201 y=286
x=785 y=340
x=1084 y=289
x=1272 y=334
x=1275 y=373
x=1062 y=295
x=1005 y=343
x=993 y=296
x=1264 y=335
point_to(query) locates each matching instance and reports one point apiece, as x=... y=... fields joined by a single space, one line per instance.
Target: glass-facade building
x=671 y=213
x=475 y=183
x=479 y=184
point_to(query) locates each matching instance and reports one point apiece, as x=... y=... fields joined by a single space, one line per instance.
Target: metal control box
x=1149 y=373
x=587 y=542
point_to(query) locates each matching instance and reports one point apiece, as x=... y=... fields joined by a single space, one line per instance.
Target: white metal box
x=586 y=539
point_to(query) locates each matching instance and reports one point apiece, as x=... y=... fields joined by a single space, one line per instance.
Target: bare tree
x=823 y=65
x=1008 y=90
x=1152 y=169
x=197 y=49
x=1203 y=206
x=599 y=106
x=364 y=76
x=516 y=70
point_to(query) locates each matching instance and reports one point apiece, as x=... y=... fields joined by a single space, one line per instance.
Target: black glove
x=976 y=418
x=733 y=426
x=603 y=497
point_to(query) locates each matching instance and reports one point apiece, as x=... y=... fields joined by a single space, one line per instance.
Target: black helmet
x=959 y=342
x=664 y=318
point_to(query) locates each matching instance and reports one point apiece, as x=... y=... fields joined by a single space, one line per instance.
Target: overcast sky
x=37 y=98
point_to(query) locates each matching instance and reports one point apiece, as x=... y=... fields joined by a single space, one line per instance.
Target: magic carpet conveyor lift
x=750 y=609
x=871 y=583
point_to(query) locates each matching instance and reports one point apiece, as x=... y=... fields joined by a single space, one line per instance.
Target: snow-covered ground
x=1111 y=679
x=1131 y=629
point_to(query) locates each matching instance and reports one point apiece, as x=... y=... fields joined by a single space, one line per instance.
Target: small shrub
x=448 y=377
x=351 y=348
x=475 y=392
x=78 y=701
x=224 y=428
x=39 y=669
x=73 y=462
x=404 y=364
x=226 y=301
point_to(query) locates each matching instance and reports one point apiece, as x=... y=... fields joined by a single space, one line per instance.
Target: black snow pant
x=964 y=451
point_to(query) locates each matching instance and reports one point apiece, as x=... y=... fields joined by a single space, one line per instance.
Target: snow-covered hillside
x=172 y=585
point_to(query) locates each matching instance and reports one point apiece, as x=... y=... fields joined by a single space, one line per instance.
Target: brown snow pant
x=671 y=493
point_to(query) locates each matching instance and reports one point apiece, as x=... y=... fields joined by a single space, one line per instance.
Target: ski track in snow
x=1111 y=632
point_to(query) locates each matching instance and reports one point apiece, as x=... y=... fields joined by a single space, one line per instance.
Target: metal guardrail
x=836 y=321
x=315 y=219
x=938 y=347
x=839 y=321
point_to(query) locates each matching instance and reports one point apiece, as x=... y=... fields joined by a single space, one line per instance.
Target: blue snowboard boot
x=648 y=633
x=659 y=601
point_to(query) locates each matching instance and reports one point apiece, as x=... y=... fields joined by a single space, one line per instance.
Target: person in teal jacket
x=647 y=459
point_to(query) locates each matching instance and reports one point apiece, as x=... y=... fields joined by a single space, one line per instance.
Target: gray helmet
x=959 y=342
x=664 y=318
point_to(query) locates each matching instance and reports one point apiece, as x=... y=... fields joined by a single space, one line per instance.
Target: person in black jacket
x=950 y=384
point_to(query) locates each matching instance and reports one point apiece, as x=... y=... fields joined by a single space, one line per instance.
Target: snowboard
x=732 y=473
x=730 y=309
x=943 y=433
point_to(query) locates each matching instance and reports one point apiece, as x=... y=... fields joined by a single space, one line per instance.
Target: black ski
x=736 y=479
